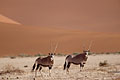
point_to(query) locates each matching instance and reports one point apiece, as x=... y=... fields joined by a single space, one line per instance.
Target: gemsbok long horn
x=83 y=46
x=51 y=48
x=56 y=47
x=90 y=45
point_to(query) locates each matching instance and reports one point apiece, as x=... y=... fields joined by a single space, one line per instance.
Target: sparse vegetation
x=103 y=64
x=20 y=68
x=60 y=54
x=37 y=55
x=118 y=52
x=112 y=53
x=75 y=53
x=107 y=53
x=90 y=53
x=12 y=57
x=79 y=53
x=24 y=55
x=9 y=69
x=26 y=66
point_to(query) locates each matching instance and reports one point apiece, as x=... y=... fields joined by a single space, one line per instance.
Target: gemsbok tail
x=35 y=63
x=66 y=63
x=34 y=66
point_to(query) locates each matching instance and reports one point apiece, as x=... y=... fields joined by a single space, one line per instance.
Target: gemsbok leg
x=68 y=66
x=40 y=69
x=81 y=66
x=36 y=70
x=50 y=67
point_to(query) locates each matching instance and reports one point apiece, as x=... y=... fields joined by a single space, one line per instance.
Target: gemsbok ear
x=49 y=53
x=54 y=54
x=88 y=50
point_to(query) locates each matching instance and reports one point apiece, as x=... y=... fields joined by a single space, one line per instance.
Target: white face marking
x=87 y=53
x=52 y=58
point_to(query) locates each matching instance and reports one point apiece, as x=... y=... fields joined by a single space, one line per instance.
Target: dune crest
x=5 y=19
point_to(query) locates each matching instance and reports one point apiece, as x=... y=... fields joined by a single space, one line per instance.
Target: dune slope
x=19 y=39
x=102 y=16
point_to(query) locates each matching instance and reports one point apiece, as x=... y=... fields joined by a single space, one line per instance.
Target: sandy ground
x=91 y=71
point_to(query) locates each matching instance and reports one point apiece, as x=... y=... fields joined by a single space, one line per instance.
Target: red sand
x=18 y=39
x=71 y=23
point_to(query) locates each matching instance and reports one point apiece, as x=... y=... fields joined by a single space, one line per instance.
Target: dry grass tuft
x=9 y=69
x=26 y=66
x=12 y=57
x=103 y=64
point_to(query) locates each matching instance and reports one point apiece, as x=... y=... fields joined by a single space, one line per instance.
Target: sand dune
x=92 y=15
x=7 y=20
x=19 y=39
x=71 y=23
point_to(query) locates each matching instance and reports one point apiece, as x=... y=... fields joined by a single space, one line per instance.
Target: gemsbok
x=79 y=59
x=47 y=61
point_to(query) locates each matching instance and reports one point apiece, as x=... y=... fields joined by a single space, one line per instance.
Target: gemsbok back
x=79 y=59
x=47 y=61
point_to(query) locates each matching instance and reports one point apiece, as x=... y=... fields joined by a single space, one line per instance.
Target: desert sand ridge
x=20 y=39
x=88 y=15
x=5 y=19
